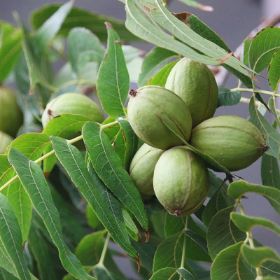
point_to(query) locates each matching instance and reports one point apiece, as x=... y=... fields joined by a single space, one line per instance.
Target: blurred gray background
x=233 y=20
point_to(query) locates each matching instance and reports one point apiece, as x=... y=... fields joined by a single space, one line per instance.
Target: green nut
x=5 y=140
x=11 y=117
x=231 y=140
x=148 y=109
x=142 y=169
x=180 y=181
x=72 y=103
x=196 y=85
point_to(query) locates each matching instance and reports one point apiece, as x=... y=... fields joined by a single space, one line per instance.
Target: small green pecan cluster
x=164 y=166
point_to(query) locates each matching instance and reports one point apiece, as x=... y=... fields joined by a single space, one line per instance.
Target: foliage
x=66 y=194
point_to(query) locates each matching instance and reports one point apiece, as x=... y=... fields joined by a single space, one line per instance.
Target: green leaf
x=81 y=18
x=146 y=252
x=154 y=25
x=271 y=269
x=51 y=26
x=90 y=248
x=247 y=223
x=128 y=144
x=169 y=273
x=222 y=232
x=271 y=134
x=10 y=242
x=21 y=75
x=65 y=126
x=72 y=221
x=35 y=184
x=44 y=254
x=5 y=275
x=173 y=224
x=165 y=255
x=130 y=225
x=92 y=219
x=270 y=171
x=39 y=73
x=108 y=167
x=139 y=24
x=229 y=264
x=160 y=78
x=227 y=97
x=257 y=256
x=32 y=145
x=134 y=60
x=273 y=106
x=196 y=247
x=10 y=46
x=262 y=48
x=273 y=72
x=153 y=62
x=105 y=205
x=238 y=188
x=22 y=207
x=80 y=42
x=102 y=273
x=169 y=251
x=219 y=198
x=201 y=28
x=113 y=91
x=187 y=275
x=89 y=252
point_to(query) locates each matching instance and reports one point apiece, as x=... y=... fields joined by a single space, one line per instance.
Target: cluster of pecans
x=164 y=165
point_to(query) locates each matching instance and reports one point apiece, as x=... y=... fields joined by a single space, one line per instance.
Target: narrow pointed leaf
x=156 y=18
x=271 y=134
x=32 y=145
x=222 y=232
x=52 y=25
x=105 y=205
x=140 y=25
x=82 y=41
x=10 y=242
x=247 y=223
x=10 y=46
x=169 y=273
x=257 y=256
x=205 y=31
x=102 y=273
x=238 y=188
x=129 y=142
x=229 y=264
x=113 y=78
x=161 y=76
x=187 y=275
x=270 y=171
x=273 y=72
x=35 y=184
x=79 y=17
x=153 y=62
x=108 y=167
x=262 y=48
